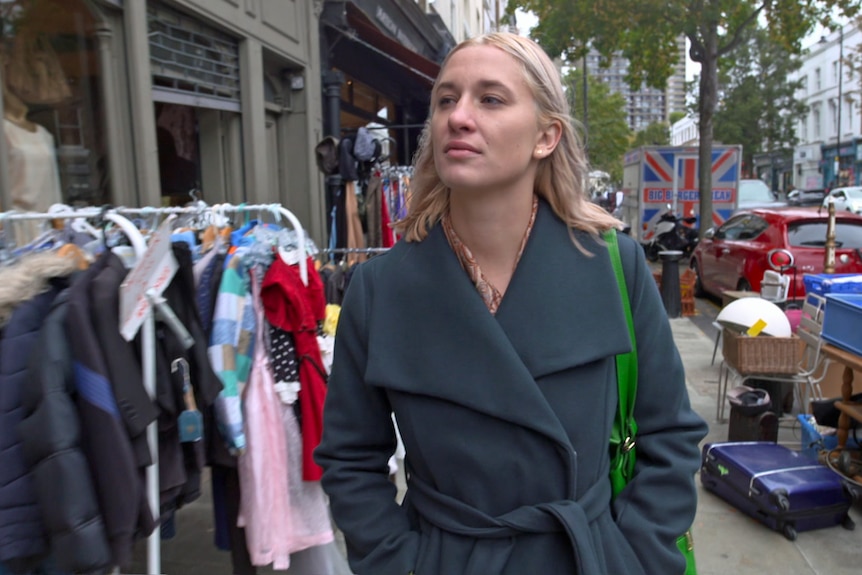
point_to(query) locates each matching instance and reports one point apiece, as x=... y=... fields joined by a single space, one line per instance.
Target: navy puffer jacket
x=21 y=526
x=51 y=440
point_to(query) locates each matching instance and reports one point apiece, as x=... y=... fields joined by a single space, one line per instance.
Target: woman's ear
x=548 y=139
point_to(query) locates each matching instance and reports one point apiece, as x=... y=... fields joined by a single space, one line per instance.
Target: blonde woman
x=490 y=330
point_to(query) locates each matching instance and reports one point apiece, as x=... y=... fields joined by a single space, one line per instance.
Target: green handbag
x=625 y=428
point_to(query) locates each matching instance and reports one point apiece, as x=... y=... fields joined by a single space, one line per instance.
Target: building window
x=803 y=85
x=835 y=71
x=803 y=129
x=833 y=115
x=817 y=83
x=815 y=120
x=52 y=102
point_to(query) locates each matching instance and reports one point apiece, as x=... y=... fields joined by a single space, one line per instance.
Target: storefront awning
x=416 y=67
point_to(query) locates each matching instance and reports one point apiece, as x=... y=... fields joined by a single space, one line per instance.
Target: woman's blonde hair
x=561 y=175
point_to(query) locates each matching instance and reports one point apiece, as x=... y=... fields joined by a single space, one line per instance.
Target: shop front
x=841 y=167
x=379 y=59
x=775 y=168
x=154 y=103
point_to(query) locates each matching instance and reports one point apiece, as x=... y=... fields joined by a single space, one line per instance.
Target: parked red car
x=734 y=255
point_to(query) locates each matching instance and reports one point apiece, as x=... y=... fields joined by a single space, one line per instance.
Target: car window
x=848 y=235
x=745 y=227
x=754 y=191
x=855 y=193
x=730 y=227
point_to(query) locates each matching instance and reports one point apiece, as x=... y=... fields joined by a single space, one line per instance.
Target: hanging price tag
x=153 y=272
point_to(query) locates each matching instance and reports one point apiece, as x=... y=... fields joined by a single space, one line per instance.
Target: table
x=848 y=409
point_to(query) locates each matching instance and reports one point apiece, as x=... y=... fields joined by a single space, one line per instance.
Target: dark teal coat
x=506 y=418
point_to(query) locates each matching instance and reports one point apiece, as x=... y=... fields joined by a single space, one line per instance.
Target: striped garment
x=231 y=349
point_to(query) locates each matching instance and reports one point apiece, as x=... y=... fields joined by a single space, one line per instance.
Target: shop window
x=52 y=101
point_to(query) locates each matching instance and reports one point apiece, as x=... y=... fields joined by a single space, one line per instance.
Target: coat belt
x=572 y=517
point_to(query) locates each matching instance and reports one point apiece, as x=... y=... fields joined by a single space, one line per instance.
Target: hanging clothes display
x=84 y=416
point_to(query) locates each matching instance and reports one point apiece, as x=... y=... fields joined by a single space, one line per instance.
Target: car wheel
x=698 y=283
x=743 y=285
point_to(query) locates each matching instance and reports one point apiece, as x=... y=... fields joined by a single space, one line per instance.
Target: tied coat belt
x=497 y=533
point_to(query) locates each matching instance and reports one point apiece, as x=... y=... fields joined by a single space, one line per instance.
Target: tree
x=758 y=106
x=656 y=134
x=646 y=31
x=608 y=137
x=676 y=117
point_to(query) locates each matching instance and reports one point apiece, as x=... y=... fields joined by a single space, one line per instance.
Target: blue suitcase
x=783 y=489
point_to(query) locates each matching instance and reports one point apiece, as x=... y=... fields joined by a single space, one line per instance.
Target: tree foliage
x=608 y=132
x=646 y=31
x=676 y=116
x=758 y=106
x=656 y=134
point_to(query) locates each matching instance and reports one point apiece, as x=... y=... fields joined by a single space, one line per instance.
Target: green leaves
x=608 y=132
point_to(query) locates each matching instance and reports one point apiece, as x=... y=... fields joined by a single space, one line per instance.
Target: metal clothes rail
x=148 y=329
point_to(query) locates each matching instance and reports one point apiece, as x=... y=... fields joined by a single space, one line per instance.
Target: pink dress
x=280 y=516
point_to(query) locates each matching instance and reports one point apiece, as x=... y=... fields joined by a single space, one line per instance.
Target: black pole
x=332 y=81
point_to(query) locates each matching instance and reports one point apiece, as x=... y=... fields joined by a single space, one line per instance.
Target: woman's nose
x=461 y=116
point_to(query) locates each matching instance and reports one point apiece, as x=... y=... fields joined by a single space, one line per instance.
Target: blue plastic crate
x=842 y=320
x=822 y=284
x=813 y=441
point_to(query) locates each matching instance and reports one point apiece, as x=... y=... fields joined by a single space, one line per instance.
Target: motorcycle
x=672 y=233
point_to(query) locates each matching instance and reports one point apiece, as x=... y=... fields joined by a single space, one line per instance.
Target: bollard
x=670 y=293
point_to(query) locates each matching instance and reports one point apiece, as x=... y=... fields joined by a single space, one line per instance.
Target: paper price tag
x=153 y=272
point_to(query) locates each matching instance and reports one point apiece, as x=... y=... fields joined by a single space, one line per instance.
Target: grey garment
x=535 y=392
x=373 y=197
x=363 y=147
x=321 y=559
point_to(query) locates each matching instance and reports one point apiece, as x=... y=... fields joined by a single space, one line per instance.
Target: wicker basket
x=762 y=354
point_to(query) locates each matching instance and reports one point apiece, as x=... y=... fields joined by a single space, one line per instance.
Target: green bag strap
x=625 y=428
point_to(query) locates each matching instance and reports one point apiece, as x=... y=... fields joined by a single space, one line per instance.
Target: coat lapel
x=562 y=308
x=445 y=344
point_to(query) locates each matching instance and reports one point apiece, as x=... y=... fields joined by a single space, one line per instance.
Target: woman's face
x=484 y=125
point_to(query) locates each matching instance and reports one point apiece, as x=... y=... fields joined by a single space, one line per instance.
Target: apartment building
x=829 y=152
x=645 y=105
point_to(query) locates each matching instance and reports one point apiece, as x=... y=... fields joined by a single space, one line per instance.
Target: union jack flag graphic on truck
x=655 y=176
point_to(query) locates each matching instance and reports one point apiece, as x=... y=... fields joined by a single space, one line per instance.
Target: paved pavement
x=726 y=541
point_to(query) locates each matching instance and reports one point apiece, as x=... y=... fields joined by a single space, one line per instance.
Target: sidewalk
x=726 y=540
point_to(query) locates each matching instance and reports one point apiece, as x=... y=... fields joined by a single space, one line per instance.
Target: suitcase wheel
x=789 y=532
x=779 y=499
x=848 y=523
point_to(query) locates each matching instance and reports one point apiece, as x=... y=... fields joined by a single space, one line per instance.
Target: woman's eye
x=491 y=100
x=445 y=100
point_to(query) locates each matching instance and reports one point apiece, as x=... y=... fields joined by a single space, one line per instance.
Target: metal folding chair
x=811 y=368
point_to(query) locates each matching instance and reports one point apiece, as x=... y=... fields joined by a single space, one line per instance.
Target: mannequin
x=34 y=179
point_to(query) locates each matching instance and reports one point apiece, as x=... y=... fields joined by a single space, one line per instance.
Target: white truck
x=661 y=178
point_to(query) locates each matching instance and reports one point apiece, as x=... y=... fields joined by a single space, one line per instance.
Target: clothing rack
x=354 y=250
x=148 y=328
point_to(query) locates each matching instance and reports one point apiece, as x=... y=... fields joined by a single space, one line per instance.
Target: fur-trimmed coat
x=506 y=419
x=27 y=291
